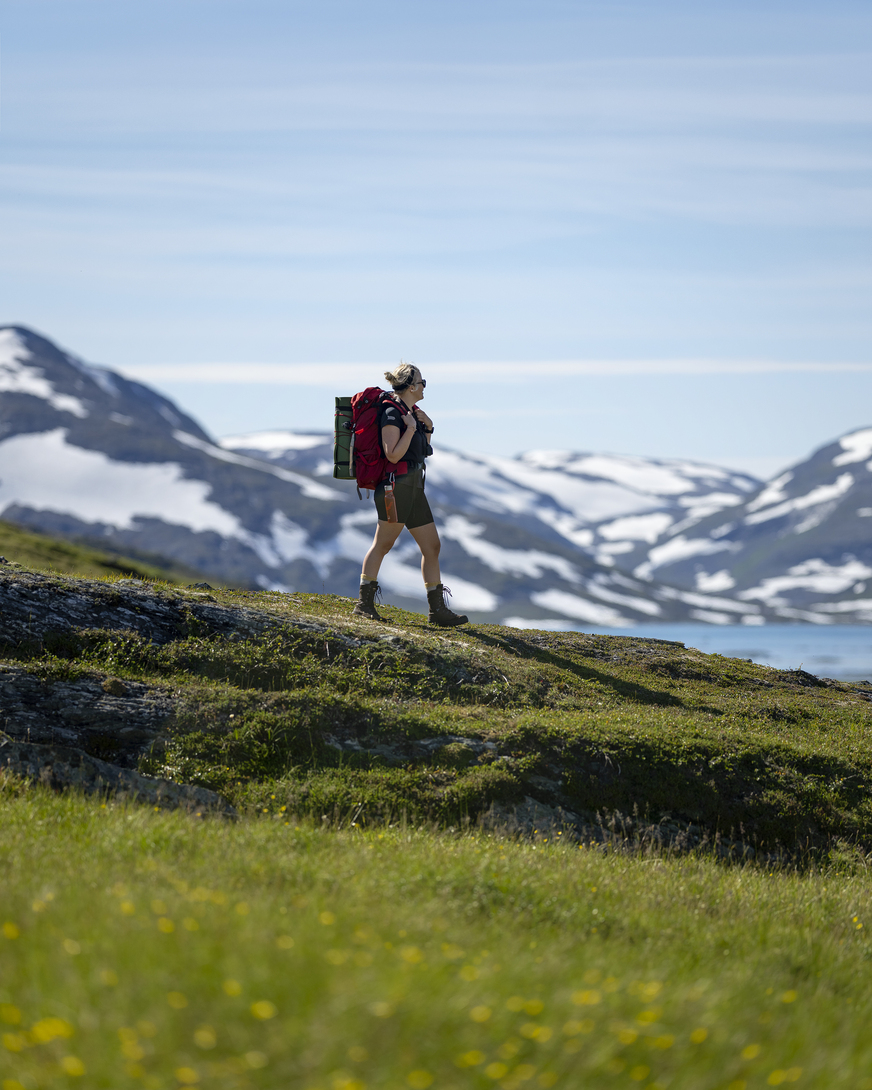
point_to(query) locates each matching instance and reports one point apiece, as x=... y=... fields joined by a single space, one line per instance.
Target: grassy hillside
x=332 y=716
x=44 y=553
x=355 y=929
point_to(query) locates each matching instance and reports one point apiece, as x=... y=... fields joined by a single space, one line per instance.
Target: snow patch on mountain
x=857 y=447
x=679 y=548
x=598 y=589
x=717 y=581
x=510 y=486
x=571 y=493
x=707 y=601
x=570 y=605
x=529 y=562
x=814 y=575
x=774 y=492
x=273 y=443
x=308 y=487
x=103 y=378
x=481 y=480
x=636 y=527
x=860 y=606
x=700 y=507
x=594 y=488
x=45 y=472
x=822 y=494
x=662 y=477
x=17 y=376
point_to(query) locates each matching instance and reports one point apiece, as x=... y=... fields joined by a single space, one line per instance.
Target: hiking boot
x=365 y=606
x=439 y=612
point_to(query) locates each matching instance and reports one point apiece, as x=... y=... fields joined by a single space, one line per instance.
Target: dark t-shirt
x=390 y=414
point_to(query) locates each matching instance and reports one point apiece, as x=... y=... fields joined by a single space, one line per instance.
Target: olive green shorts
x=413 y=510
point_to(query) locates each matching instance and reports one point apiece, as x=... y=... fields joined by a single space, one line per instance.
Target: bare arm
x=395 y=445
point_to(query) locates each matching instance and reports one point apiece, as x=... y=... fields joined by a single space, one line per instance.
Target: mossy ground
x=328 y=722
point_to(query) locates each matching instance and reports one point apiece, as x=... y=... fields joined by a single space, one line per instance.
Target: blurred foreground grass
x=143 y=949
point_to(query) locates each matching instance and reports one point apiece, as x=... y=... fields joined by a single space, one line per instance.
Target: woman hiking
x=405 y=432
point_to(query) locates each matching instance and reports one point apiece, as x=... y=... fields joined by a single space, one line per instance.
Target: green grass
x=43 y=553
x=354 y=930
x=142 y=949
x=646 y=730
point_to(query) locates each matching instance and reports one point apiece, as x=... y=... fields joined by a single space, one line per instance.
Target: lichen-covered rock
x=62 y=767
x=67 y=730
x=33 y=606
x=112 y=719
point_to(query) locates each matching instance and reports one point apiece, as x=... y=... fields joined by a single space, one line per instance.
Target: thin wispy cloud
x=473 y=371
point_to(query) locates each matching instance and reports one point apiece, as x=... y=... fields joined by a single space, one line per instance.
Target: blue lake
x=836 y=651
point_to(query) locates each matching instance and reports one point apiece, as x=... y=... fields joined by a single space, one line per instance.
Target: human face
x=418 y=388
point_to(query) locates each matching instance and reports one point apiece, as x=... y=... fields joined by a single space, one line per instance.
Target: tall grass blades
x=143 y=949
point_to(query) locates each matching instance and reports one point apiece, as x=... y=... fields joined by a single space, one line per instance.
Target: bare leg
x=386 y=533
x=429 y=544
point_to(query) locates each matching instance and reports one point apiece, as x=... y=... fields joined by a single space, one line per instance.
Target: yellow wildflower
x=470 y=1059
x=264 y=1010
x=47 y=1029
x=204 y=1037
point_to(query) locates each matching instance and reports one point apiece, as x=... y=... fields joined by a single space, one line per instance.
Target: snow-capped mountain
x=576 y=521
x=611 y=506
x=801 y=545
x=87 y=453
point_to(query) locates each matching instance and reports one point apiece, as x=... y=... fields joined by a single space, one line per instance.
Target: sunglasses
x=423 y=383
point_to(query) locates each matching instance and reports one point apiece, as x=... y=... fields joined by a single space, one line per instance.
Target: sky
x=630 y=227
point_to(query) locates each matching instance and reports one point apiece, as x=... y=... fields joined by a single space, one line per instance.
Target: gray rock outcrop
x=61 y=767
x=104 y=716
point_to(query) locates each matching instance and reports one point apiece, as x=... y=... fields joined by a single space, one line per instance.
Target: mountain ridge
x=801 y=545
x=551 y=538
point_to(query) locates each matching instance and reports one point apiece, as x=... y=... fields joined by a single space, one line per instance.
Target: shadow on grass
x=772 y=793
x=626 y=690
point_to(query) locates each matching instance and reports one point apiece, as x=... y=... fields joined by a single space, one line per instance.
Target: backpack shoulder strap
x=398 y=402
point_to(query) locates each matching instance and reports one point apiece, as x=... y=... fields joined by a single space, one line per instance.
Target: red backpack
x=368 y=463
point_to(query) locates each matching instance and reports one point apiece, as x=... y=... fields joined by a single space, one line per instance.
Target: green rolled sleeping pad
x=343 y=441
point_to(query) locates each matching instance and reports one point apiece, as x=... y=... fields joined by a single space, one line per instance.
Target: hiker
x=405 y=432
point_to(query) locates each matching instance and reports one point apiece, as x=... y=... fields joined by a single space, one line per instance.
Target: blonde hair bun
x=404 y=376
